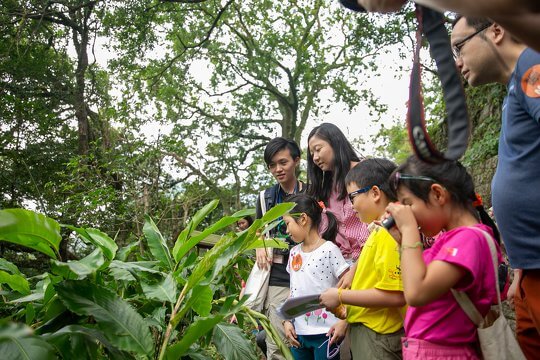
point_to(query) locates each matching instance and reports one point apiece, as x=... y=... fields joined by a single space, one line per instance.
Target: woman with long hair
x=329 y=159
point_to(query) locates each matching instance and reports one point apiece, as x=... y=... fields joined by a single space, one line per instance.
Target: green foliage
x=156 y=306
x=30 y=229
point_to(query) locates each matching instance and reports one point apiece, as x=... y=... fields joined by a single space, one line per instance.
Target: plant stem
x=170 y=326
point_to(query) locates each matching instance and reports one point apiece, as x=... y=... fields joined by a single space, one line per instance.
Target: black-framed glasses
x=355 y=193
x=400 y=176
x=456 y=49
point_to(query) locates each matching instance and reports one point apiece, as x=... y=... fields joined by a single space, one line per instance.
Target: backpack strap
x=463 y=299
x=262 y=201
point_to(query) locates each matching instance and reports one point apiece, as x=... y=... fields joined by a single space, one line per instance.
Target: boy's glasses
x=355 y=193
x=400 y=176
x=331 y=350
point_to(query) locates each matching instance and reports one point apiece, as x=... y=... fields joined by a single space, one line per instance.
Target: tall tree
x=235 y=73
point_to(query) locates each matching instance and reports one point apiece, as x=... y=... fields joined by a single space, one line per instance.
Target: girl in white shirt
x=315 y=264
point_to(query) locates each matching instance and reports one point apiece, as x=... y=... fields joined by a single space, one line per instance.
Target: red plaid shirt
x=352 y=233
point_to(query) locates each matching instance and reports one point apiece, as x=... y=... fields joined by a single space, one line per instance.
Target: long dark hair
x=308 y=205
x=454 y=177
x=320 y=184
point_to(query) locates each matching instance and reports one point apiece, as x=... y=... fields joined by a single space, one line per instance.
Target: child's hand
x=346 y=279
x=394 y=231
x=403 y=216
x=330 y=299
x=337 y=332
x=290 y=334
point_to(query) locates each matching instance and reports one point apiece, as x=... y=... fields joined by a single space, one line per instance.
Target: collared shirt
x=352 y=233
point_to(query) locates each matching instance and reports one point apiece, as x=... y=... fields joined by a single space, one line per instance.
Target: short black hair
x=476 y=22
x=277 y=144
x=373 y=171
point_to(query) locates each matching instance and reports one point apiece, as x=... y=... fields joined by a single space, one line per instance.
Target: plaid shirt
x=352 y=233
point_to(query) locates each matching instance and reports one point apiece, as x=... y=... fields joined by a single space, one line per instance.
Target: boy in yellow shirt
x=376 y=305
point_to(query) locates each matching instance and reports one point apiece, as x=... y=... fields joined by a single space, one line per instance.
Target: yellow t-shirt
x=378 y=267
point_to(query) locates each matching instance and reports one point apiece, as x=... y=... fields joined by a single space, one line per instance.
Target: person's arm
x=421 y=284
x=261 y=255
x=371 y=298
x=345 y=281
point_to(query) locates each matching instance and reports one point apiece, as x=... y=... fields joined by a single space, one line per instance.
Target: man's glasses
x=355 y=193
x=400 y=176
x=331 y=350
x=456 y=49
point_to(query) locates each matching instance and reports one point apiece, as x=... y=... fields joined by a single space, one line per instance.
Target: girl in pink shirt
x=434 y=198
x=329 y=159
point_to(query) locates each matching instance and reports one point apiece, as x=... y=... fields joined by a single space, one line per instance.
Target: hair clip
x=478 y=202
x=322 y=206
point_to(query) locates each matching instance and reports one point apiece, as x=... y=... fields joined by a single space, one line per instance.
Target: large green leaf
x=124 y=252
x=9 y=267
x=79 y=269
x=80 y=342
x=269 y=243
x=231 y=342
x=165 y=290
x=193 y=332
x=200 y=300
x=15 y=281
x=135 y=267
x=18 y=343
x=156 y=243
x=98 y=238
x=30 y=229
x=277 y=211
x=191 y=242
x=192 y=225
x=122 y=325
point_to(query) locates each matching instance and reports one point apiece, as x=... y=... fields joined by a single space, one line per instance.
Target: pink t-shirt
x=352 y=233
x=443 y=321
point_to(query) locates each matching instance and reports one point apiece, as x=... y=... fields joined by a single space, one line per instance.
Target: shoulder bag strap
x=463 y=299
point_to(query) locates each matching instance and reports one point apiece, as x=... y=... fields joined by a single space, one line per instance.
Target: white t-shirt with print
x=313 y=273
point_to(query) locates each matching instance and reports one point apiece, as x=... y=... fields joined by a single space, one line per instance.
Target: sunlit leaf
x=156 y=243
x=98 y=238
x=16 y=282
x=192 y=225
x=30 y=229
x=79 y=269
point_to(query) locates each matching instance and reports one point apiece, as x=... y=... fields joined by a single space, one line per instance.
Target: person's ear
x=439 y=194
x=297 y=161
x=376 y=193
x=302 y=220
x=496 y=32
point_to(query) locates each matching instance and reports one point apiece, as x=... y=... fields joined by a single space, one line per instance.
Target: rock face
x=482 y=173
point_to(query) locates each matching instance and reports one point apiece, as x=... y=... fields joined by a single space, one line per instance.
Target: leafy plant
x=160 y=303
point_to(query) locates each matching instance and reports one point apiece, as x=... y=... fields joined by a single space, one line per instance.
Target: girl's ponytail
x=331 y=231
x=485 y=218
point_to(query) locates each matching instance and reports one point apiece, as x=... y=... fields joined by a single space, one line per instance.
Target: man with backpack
x=282 y=157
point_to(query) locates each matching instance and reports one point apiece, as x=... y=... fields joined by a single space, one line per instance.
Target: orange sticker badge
x=530 y=82
x=296 y=262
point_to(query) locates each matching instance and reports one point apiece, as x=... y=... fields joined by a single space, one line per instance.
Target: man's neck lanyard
x=279 y=198
x=431 y=24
